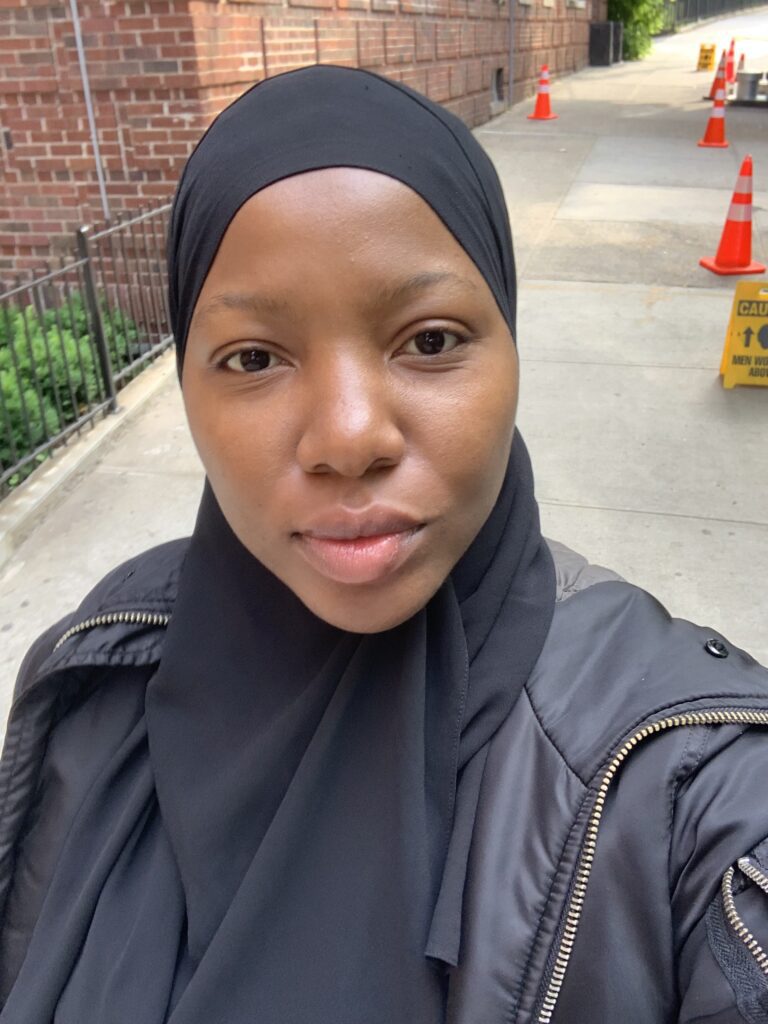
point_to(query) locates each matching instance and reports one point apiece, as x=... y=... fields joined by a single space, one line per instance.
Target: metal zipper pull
x=111 y=618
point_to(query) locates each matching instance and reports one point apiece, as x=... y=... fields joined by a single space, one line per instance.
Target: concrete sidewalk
x=643 y=461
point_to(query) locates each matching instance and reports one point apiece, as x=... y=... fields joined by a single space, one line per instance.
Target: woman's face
x=351 y=387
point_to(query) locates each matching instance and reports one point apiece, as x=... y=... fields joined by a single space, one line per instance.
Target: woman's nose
x=349 y=425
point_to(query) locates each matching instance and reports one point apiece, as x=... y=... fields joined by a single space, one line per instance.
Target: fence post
x=92 y=301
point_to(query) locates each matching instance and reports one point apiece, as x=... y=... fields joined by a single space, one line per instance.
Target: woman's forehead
x=336 y=196
x=382 y=247
x=366 y=223
x=370 y=142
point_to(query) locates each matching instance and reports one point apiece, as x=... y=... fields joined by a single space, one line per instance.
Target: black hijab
x=287 y=818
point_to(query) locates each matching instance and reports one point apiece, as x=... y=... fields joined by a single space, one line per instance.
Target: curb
x=22 y=510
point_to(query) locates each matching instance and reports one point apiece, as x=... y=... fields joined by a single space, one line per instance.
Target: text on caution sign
x=745 y=356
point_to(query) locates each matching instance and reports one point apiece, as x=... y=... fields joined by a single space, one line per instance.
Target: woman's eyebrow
x=390 y=295
x=249 y=302
x=384 y=295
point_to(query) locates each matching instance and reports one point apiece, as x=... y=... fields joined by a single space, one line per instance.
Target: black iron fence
x=72 y=336
x=686 y=12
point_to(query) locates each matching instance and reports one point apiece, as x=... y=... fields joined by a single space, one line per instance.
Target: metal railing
x=687 y=12
x=71 y=337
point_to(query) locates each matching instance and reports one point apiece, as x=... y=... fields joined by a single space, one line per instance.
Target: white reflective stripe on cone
x=720 y=96
x=740 y=212
x=543 y=88
x=718 y=112
x=744 y=184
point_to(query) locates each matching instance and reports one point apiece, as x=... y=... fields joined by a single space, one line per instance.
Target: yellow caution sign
x=745 y=356
x=706 y=57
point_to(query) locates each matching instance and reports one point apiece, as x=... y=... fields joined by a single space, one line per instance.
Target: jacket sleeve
x=37 y=654
x=720 y=886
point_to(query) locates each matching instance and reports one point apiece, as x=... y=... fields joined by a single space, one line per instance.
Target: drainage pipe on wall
x=89 y=108
x=511 y=56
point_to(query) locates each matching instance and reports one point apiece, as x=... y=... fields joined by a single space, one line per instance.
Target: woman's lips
x=362 y=559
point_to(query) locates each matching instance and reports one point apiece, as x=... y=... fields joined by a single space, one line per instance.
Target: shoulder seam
x=554 y=745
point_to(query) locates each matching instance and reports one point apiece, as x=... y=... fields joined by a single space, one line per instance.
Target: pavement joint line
x=566 y=193
x=554 y=503
x=656 y=223
x=671 y=184
x=621 y=285
x=27 y=505
x=726 y=289
x=557 y=361
x=131 y=471
x=543 y=135
x=553 y=216
x=632 y=284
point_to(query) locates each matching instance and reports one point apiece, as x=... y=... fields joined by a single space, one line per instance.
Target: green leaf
x=50 y=372
x=642 y=20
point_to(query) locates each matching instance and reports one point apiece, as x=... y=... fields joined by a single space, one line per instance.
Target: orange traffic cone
x=740 y=66
x=730 y=64
x=720 y=73
x=734 y=254
x=542 y=110
x=715 y=133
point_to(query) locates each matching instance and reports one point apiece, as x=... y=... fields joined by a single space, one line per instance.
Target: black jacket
x=619 y=865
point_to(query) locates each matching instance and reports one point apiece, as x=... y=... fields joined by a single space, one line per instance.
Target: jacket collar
x=132 y=603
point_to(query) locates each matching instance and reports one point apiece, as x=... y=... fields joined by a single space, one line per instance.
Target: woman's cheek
x=476 y=427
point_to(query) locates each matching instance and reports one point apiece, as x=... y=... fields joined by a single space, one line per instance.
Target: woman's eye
x=432 y=343
x=251 y=360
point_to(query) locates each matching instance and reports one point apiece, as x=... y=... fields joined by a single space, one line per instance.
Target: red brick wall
x=556 y=35
x=160 y=70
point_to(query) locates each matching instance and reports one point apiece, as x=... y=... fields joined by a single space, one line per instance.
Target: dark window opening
x=497 y=85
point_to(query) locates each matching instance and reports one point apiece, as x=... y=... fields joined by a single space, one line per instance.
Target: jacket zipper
x=753 y=873
x=733 y=917
x=729 y=716
x=110 y=618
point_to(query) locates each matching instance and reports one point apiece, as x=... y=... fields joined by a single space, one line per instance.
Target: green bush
x=50 y=369
x=642 y=20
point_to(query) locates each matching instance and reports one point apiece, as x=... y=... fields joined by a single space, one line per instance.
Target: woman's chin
x=366 y=613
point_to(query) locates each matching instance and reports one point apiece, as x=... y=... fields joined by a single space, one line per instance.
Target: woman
x=360 y=751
